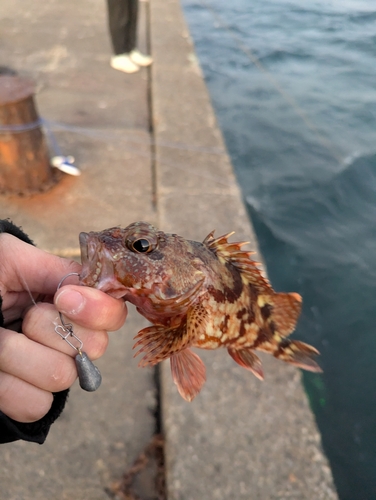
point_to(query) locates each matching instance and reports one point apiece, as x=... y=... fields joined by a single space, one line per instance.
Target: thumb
x=91 y=308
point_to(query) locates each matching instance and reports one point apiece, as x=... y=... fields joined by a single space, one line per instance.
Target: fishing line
x=36 y=304
x=22 y=279
x=328 y=145
x=65 y=163
x=100 y=135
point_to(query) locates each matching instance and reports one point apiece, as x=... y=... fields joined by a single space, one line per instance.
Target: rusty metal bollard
x=24 y=159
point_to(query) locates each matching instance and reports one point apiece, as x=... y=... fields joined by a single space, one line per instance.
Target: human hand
x=39 y=362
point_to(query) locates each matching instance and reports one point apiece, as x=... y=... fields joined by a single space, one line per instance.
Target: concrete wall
x=240 y=438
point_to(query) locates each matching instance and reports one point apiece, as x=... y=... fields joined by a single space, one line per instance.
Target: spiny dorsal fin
x=232 y=252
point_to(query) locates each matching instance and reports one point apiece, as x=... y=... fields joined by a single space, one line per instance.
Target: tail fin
x=298 y=353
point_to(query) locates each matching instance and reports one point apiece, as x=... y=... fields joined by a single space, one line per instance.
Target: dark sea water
x=300 y=126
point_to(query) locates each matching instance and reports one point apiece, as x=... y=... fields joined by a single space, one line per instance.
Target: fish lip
x=97 y=267
x=89 y=260
x=83 y=239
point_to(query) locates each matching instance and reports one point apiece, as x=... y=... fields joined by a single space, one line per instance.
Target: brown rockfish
x=204 y=295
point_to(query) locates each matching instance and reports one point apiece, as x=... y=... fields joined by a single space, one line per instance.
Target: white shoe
x=140 y=59
x=123 y=62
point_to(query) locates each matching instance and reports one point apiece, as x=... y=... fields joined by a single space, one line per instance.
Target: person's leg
x=130 y=31
x=122 y=31
x=122 y=18
x=118 y=21
x=135 y=55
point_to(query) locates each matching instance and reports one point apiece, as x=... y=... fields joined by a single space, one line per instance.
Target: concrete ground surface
x=149 y=149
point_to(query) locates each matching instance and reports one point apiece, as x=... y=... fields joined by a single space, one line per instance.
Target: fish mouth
x=90 y=260
x=83 y=237
x=98 y=267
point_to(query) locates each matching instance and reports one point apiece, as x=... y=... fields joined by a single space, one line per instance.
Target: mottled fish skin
x=205 y=295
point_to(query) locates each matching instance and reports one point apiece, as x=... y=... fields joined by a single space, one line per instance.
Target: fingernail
x=69 y=302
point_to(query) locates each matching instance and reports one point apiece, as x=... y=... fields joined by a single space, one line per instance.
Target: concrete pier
x=149 y=149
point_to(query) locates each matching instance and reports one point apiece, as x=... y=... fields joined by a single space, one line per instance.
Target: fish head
x=143 y=265
x=117 y=261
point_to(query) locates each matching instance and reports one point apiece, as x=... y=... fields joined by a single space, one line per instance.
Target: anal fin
x=248 y=360
x=188 y=373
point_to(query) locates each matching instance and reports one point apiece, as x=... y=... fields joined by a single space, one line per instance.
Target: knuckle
x=64 y=373
x=14 y=392
x=34 y=317
x=9 y=345
x=39 y=408
x=7 y=387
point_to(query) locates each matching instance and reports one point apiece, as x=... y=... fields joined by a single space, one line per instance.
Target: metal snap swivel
x=89 y=376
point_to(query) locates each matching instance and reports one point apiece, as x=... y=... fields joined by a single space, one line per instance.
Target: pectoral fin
x=196 y=321
x=248 y=360
x=159 y=343
x=188 y=372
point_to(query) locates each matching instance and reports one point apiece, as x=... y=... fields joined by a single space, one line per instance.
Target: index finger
x=90 y=308
x=25 y=267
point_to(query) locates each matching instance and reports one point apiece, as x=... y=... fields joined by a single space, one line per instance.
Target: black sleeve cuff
x=34 y=432
x=6 y=226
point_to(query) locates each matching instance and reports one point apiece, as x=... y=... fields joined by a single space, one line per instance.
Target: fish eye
x=141 y=246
